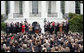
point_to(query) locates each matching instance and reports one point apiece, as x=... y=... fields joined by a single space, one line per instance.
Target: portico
x=37 y=11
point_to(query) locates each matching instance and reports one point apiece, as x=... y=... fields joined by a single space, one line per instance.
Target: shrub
x=76 y=23
x=3 y=26
x=1 y=16
x=71 y=15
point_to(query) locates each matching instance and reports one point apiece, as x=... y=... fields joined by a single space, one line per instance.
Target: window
x=77 y=6
x=20 y=7
x=63 y=7
x=7 y=7
x=49 y=7
x=34 y=7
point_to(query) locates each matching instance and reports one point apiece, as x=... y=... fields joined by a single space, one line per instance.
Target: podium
x=37 y=29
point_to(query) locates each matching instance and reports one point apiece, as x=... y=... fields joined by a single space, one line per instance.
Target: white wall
x=3 y=11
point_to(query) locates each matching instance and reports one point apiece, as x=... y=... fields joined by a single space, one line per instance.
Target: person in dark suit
x=17 y=26
x=48 y=26
x=64 y=27
x=20 y=27
x=26 y=28
x=51 y=28
x=45 y=27
x=67 y=25
x=14 y=28
x=7 y=28
x=11 y=27
x=56 y=28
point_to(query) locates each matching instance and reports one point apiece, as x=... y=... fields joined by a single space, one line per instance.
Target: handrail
x=4 y=18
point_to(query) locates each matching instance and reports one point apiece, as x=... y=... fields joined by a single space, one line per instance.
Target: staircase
x=5 y=17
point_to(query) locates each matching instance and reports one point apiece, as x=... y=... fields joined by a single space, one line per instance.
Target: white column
x=3 y=8
x=81 y=8
x=26 y=9
x=58 y=9
x=43 y=13
x=44 y=9
x=72 y=6
x=12 y=9
x=67 y=5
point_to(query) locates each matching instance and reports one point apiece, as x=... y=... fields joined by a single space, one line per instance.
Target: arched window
x=34 y=7
x=77 y=7
x=7 y=7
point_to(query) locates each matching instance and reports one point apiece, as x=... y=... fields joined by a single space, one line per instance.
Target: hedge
x=76 y=22
x=3 y=26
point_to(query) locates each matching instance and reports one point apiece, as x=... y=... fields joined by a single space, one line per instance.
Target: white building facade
x=32 y=11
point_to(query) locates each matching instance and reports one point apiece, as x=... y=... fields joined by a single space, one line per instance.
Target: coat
x=26 y=28
x=23 y=28
x=7 y=29
x=11 y=28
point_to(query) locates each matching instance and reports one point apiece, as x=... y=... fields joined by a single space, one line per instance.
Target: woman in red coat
x=23 y=28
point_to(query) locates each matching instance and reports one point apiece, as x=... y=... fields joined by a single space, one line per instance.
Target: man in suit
x=64 y=27
x=45 y=26
x=17 y=26
x=67 y=25
x=11 y=27
x=20 y=27
x=26 y=28
x=56 y=28
x=7 y=28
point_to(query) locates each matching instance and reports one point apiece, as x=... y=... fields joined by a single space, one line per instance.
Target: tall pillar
x=44 y=13
x=72 y=6
x=58 y=9
x=12 y=9
x=3 y=8
x=67 y=5
x=81 y=8
x=26 y=9
x=44 y=9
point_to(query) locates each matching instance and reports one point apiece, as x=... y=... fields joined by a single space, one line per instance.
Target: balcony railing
x=52 y=14
x=15 y=15
x=35 y=14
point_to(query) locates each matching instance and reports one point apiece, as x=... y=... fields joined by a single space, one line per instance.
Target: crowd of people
x=21 y=27
x=53 y=27
x=42 y=42
x=21 y=37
